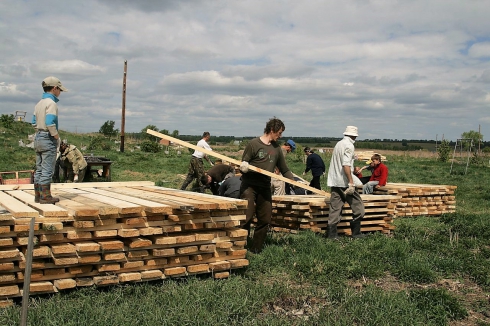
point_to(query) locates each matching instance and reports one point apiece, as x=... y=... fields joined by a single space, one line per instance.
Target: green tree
x=147 y=135
x=107 y=129
x=175 y=133
x=473 y=135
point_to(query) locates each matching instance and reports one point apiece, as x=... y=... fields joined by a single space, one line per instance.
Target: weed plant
x=431 y=271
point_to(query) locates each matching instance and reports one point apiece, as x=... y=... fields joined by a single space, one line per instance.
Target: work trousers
x=315 y=182
x=195 y=171
x=337 y=200
x=259 y=202
x=45 y=147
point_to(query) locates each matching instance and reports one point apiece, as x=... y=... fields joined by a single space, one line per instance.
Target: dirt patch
x=140 y=175
x=296 y=308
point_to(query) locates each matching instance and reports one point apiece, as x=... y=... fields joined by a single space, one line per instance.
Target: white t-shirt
x=202 y=143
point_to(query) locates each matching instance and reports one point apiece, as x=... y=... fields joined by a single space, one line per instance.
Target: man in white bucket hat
x=341 y=181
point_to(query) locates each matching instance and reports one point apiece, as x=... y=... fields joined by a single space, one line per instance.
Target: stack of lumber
x=366 y=156
x=109 y=233
x=292 y=213
x=421 y=199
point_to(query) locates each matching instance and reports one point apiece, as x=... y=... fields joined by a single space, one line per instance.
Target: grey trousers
x=337 y=200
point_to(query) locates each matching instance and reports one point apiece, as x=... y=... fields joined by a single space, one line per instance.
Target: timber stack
x=421 y=199
x=110 y=233
x=311 y=213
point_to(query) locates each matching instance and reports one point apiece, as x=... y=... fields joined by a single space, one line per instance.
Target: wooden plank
x=149 y=206
x=223 y=202
x=236 y=162
x=43 y=209
x=80 y=185
x=16 y=207
x=153 y=196
x=103 y=209
x=123 y=206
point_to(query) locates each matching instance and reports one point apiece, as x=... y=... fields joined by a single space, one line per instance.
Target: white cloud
x=228 y=66
x=479 y=50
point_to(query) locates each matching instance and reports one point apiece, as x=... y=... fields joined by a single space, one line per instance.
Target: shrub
x=7 y=120
x=443 y=151
x=150 y=147
x=99 y=142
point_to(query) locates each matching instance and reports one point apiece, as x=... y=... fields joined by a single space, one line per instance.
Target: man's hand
x=75 y=178
x=351 y=190
x=244 y=166
x=58 y=144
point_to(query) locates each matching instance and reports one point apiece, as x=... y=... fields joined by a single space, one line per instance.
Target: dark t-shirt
x=265 y=157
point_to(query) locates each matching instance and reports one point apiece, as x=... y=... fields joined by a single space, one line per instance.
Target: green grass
x=431 y=271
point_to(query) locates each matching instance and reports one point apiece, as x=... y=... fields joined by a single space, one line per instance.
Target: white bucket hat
x=351 y=131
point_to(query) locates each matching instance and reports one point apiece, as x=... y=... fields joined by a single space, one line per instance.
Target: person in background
x=314 y=163
x=196 y=166
x=379 y=175
x=279 y=187
x=230 y=187
x=216 y=175
x=341 y=181
x=265 y=153
x=46 y=139
x=73 y=160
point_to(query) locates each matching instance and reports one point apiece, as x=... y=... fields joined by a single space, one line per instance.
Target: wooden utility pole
x=123 y=114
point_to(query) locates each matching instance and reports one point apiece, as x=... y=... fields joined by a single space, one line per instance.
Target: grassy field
x=431 y=271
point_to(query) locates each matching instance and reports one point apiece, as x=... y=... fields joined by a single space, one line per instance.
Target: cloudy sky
x=403 y=69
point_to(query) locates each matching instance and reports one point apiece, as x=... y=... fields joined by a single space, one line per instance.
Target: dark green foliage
x=150 y=147
x=7 y=120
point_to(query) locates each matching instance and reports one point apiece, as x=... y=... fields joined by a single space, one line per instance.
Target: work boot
x=332 y=232
x=45 y=195
x=37 y=194
x=355 y=227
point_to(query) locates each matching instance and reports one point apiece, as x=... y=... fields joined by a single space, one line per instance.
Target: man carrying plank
x=264 y=153
x=341 y=181
x=196 y=166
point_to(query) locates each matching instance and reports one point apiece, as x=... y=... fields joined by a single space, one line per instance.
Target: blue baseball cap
x=291 y=143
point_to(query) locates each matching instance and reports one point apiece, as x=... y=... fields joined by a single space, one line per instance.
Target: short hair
x=376 y=157
x=274 y=125
x=204 y=179
x=48 y=88
x=307 y=150
x=205 y=134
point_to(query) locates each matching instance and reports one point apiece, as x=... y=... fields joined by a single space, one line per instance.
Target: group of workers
x=263 y=152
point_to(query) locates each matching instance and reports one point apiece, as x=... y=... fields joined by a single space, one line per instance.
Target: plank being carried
x=236 y=162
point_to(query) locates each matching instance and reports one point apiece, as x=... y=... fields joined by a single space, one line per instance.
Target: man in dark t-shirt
x=265 y=153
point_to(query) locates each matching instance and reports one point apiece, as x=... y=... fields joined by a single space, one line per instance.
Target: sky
x=405 y=69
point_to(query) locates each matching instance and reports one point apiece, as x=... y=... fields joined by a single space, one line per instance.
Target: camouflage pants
x=196 y=171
